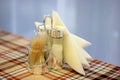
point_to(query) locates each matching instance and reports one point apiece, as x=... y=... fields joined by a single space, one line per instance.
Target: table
x=13 y=58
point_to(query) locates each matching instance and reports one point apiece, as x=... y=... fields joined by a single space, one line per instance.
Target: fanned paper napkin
x=73 y=46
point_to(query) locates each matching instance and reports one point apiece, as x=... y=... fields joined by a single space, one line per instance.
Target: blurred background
x=97 y=21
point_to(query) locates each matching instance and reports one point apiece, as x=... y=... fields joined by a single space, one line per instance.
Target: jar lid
x=56 y=33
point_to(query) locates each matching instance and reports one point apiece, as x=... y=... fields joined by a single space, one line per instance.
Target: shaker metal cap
x=56 y=33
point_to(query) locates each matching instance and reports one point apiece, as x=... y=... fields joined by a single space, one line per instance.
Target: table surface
x=13 y=57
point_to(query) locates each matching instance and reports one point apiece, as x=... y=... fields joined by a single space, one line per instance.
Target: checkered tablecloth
x=13 y=57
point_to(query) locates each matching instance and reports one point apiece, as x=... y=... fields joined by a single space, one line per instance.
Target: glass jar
x=38 y=54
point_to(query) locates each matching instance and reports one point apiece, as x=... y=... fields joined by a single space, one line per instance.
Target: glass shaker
x=38 y=53
x=56 y=57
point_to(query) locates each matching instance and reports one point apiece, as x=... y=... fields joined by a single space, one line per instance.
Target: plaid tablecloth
x=13 y=57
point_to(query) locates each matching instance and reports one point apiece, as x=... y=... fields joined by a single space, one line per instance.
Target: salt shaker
x=56 y=58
